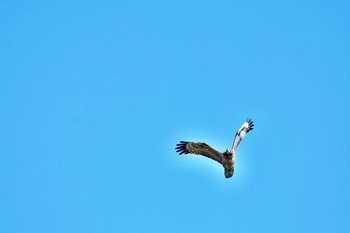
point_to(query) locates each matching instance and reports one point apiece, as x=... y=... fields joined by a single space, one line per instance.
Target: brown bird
x=227 y=158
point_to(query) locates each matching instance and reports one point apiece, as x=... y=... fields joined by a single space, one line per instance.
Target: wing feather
x=199 y=148
x=245 y=128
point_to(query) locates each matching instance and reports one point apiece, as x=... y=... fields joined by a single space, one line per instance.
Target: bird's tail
x=229 y=172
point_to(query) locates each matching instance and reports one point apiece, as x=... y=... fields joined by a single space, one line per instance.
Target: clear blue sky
x=95 y=95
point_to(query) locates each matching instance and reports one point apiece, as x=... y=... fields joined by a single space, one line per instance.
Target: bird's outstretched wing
x=245 y=128
x=199 y=148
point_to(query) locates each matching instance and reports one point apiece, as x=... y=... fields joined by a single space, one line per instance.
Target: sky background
x=94 y=96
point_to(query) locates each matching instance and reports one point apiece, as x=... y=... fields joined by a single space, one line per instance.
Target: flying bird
x=227 y=158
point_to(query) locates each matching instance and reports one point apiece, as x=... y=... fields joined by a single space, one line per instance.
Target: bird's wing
x=245 y=128
x=199 y=148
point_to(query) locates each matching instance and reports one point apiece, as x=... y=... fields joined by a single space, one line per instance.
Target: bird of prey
x=227 y=158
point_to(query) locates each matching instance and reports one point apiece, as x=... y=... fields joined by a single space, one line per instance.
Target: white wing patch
x=245 y=128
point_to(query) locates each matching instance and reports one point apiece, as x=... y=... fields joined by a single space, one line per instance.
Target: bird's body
x=228 y=166
x=227 y=158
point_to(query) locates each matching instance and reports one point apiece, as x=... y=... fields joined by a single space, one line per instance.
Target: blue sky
x=95 y=95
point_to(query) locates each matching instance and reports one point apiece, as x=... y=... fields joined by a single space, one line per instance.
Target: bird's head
x=229 y=153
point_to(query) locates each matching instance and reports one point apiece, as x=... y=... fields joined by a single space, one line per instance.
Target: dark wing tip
x=250 y=124
x=181 y=148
